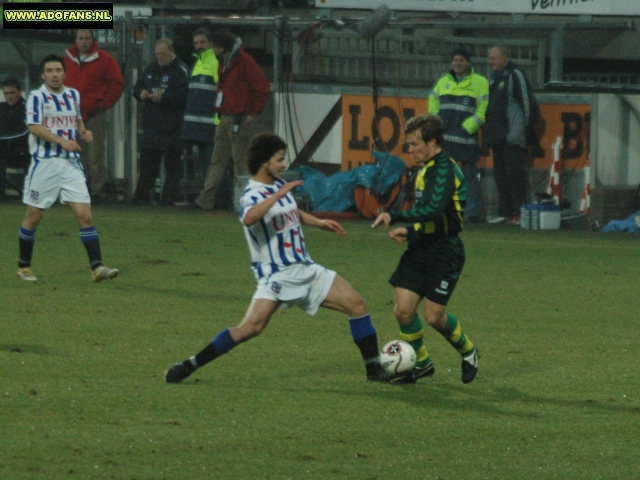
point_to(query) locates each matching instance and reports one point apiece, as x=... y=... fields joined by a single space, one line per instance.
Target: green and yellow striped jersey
x=441 y=194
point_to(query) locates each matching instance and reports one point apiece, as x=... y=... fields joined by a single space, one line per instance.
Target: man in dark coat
x=511 y=115
x=163 y=88
x=14 y=149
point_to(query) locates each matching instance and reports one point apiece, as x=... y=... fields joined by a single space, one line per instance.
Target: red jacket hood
x=97 y=77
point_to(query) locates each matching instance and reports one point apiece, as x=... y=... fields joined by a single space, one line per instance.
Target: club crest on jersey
x=276 y=287
x=34 y=195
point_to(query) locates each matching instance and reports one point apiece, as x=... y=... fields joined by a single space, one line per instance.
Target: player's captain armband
x=219 y=100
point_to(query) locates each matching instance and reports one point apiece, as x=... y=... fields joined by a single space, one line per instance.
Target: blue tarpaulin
x=335 y=193
x=629 y=224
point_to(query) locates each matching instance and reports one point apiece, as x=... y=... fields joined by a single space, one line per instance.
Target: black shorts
x=431 y=269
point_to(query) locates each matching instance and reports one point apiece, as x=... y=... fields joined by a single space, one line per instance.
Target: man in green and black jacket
x=433 y=261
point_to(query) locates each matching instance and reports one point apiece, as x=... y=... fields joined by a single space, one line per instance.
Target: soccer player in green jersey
x=433 y=261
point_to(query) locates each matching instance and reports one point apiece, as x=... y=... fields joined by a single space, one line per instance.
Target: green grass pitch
x=554 y=314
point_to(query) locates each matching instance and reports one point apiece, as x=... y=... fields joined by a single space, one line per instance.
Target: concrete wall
x=616 y=139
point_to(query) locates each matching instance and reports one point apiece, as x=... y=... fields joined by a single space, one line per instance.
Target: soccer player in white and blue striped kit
x=55 y=122
x=285 y=273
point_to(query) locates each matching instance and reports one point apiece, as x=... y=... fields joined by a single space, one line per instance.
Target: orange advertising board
x=360 y=136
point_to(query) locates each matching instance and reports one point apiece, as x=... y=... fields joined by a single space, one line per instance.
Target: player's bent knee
x=403 y=316
x=357 y=306
x=436 y=320
x=248 y=330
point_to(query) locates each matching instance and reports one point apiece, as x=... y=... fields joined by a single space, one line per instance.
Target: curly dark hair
x=261 y=148
x=224 y=39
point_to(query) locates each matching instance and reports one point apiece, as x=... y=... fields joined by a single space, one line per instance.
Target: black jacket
x=14 y=135
x=162 y=122
x=13 y=120
x=513 y=110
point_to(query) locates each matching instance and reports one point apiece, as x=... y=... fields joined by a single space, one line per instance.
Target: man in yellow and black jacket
x=432 y=264
x=200 y=114
x=460 y=99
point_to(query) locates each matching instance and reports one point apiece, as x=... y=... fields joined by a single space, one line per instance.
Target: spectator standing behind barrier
x=511 y=115
x=14 y=148
x=460 y=99
x=243 y=91
x=199 y=128
x=163 y=87
x=97 y=76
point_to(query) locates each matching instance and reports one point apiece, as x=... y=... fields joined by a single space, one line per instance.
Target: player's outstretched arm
x=258 y=211
x=328 y=225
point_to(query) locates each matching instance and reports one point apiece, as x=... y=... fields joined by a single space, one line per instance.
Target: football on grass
x=397 y=356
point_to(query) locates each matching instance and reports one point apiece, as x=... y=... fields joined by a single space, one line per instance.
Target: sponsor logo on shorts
x=276 y=287
x=35 y=195
x=444 y=288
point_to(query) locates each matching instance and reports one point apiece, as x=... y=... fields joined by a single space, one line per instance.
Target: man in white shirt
x=55 y=124
x=285 y=273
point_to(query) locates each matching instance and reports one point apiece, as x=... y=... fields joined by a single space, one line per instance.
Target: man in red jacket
x=96 y=75
x=243 y=91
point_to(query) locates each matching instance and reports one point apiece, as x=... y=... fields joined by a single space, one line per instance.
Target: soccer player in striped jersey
x=433 y=261
x=285 y=273
x=55 y=122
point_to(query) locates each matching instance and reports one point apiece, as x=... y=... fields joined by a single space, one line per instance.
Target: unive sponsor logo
x=280 y=222
x=64 y=121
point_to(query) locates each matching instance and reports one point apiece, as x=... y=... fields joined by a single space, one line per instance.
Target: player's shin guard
x=455 y=335
x=413 y=333
x=27 y=240
x=91 y=242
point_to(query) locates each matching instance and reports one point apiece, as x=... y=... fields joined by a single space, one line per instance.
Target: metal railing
x=618 y=79
x=418 y=58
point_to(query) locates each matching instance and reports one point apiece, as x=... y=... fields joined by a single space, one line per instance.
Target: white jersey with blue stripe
x=58 y=113
x=276 y=240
